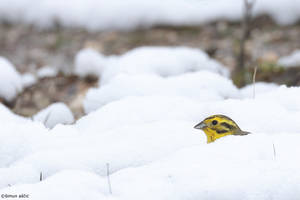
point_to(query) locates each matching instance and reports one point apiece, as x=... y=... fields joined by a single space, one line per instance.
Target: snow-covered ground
x=56 y=113
x=140 y=127
x=10 y=80
x=125 y=15
x=160 y=60
x=292 y=60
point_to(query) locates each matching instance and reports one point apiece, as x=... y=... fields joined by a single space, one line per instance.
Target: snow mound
x=151 y=139
x=28 y=80
x=142 y=126
x=7 y=116
x=136 y=14
x=191 y=173
x=285 y=96
x=162 y=61
x=258 y=88
x=201 y=86
x=47 y=71
x=85 y=187
x=292 y=60
x=57 y=113
x=88 y=62
x=10 y=80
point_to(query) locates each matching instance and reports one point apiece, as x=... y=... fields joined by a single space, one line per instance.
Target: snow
x=161 y=61
x=7 y=116
x=136 y=14
x=47 y=71
x=176 y=71
x=88 y=62
x=56 y=113
x=140 y=121
x=28 y=80
x=292 y=60
x=10 y=80
x=252 y=90
x=201 y=86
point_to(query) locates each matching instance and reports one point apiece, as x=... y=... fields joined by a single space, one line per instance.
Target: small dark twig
x=108 y=178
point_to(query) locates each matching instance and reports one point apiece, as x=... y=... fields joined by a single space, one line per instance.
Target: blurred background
x=42 y=38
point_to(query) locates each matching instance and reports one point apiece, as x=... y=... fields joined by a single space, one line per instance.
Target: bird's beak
x=201 y=125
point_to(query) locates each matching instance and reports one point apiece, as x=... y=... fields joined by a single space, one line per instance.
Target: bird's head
x=217 y=126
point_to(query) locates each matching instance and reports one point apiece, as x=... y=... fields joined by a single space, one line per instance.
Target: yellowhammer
x=217 y=126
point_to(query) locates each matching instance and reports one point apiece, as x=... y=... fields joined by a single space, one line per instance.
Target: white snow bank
x=201 y=86
x=159 y=108
x=47 y=71
x=142 y=125
x=258 y=88
x=216 y=171
x=7 y=116
x=292 y=60
x=56 y=113
x=116 y=14
x=10 y=80
x=151 y=139
x=63 y=186
x=28 y=80
x=162 y=61
x=286 y=97
x=90 y=146
x=89 y=62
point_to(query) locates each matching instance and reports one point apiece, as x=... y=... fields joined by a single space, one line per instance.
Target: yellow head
x=217 y=126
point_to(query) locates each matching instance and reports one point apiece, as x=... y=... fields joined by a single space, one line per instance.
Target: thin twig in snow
x=108 y=178
x=41 y=176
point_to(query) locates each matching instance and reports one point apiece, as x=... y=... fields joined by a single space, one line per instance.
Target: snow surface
x=141 y=131
x=56 y=113
x=151 y=71
x=88 y=62
x=252 y=90
x=10 y=80
x=161 y=61
x=118 y=14
x=151 y=146
x=292 y=60
x=28 y=80
x=199 y=86
x=47 y=71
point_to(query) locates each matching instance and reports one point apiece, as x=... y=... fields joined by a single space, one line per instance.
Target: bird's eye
x=214 y=122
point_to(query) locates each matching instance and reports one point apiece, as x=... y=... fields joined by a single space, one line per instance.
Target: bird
x=217 y=126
